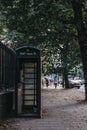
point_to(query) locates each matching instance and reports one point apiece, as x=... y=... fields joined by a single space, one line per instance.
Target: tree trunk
x=64 y=56
x=82 y=37
x=65 y=76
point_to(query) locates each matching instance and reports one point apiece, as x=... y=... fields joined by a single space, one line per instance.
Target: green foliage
x=47 y=24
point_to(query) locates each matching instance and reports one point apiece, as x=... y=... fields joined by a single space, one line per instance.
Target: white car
x=76 y=82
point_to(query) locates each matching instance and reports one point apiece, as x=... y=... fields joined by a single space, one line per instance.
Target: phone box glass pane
x=27 y=97
x=28 y=86
x=29 y=75
x=30 y=65
x=30 y=81
x=29 y=92
x=29 y=70
x=28 y=103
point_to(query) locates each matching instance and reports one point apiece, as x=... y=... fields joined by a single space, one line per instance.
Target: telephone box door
x=28 y=87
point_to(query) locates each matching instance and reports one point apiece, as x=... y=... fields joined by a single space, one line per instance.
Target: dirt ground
x=62 y=109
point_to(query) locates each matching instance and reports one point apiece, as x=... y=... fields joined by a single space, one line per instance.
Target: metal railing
x=7 y=68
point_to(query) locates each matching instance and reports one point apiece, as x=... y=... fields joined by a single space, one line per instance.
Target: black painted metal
x=7 y=68
x=28 y=82
x=7 y=80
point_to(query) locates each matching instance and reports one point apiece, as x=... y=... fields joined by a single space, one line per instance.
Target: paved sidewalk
x=61 y=110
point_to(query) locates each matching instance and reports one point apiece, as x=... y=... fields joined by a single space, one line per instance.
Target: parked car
x=76 y=82
x=82 y=81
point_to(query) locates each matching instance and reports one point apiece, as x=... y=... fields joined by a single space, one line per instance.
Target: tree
x=49 y=23
x=81 y=25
